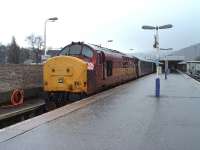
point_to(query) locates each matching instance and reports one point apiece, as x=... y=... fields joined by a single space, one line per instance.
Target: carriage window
x=109 y=66
x=65 y=51
x=87 y=52
x=75 y=50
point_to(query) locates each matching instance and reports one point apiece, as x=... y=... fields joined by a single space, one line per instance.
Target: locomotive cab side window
x=87 y=52
x=109 y=66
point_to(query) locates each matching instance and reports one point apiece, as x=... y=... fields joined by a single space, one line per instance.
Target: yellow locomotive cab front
x=65 y=74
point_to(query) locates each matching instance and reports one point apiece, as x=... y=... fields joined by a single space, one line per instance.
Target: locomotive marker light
x=156 y=46
x=53 y=19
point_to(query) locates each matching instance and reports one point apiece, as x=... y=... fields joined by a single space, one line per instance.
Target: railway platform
x=127 y=117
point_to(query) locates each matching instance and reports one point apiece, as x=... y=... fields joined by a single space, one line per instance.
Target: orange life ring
x=17 y=97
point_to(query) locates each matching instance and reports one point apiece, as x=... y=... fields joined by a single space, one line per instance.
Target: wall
x=20 y=76
x=14 y=76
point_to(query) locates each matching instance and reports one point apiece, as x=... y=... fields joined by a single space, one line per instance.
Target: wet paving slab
x=128 y=118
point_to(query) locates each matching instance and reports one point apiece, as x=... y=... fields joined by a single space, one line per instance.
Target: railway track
x=197 y=78
x=10 y=115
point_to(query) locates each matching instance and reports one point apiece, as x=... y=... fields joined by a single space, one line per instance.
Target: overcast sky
x=96 y=21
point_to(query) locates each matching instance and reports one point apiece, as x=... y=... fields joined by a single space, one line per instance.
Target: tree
x=2 y=54
x=35 y=42
x=24 y=54
x=13 y=52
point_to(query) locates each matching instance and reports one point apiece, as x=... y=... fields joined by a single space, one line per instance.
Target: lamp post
x=156 y=46
x=109 y=41
x=166 y=61
x=53 y=19
x=106 y=43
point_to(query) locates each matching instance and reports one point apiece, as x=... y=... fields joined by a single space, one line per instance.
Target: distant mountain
x=190 y=53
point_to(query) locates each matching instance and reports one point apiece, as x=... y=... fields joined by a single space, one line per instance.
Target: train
x=83 y=69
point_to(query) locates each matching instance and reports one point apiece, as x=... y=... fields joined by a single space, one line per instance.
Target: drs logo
x=90 y=66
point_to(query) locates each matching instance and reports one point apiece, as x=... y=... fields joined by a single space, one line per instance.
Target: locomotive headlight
x=60 y=80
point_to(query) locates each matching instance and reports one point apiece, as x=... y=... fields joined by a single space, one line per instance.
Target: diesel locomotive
x=84 y=69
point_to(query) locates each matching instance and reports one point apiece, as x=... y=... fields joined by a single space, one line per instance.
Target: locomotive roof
x=104 y=49
x=141 y=58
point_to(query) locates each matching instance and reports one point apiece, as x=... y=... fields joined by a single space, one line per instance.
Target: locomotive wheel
x=83 y=95
x=58 y=99
x=50 y=106
x=61 y=99
x=49 y=103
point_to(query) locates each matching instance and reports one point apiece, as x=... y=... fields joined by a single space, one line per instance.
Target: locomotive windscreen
x=71 y=50
x=77 y=49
